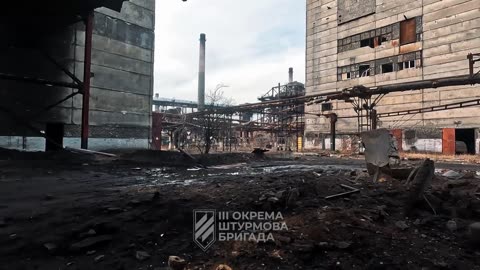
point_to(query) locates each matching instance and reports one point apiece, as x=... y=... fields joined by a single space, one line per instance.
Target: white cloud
x=250 y=45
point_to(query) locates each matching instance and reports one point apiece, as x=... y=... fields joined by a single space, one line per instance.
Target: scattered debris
x=90 y=232
x=114 y=209
x=343 y=245
x=176 y=263
x=99 y=258
x=91 y=252
x=452 y=225
x=402 y=225
x=452 y=174
x=84 y=151
x=352 y=190
x=273 y=199
x=380 y=151
x=417 y=186
x=259 y=151
x=457 y=183
x=90 y=242
x=50 y=246
x=224 y=267
x=142 y=255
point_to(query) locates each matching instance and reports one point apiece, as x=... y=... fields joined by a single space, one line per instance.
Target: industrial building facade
x=384 y=42
x=49 y=49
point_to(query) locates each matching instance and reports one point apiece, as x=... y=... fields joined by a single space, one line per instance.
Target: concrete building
x=121 y=82
x=383 y=42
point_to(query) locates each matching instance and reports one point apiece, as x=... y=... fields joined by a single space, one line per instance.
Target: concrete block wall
x=121 y=89
x=450 y=29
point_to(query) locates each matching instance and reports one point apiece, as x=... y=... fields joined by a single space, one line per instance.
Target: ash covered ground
x=62 y=211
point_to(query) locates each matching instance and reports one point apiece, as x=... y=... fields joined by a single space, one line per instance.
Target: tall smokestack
x=290 y=75
x=201 y=74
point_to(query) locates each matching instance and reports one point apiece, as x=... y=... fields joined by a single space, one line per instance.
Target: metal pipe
x=86 y=80
x=333 y=130
x=373 y=117
x=201 y=73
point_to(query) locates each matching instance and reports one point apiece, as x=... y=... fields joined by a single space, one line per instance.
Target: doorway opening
x=465 y=141
x=54 y=132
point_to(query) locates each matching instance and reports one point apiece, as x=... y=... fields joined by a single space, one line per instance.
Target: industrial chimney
x=201 y=74
x=290 y=75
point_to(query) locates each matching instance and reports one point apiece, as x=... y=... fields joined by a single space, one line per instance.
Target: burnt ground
x=65 y=211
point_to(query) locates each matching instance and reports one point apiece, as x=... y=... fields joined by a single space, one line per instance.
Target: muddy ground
x=70 y=211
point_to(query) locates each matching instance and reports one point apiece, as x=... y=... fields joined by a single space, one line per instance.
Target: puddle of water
x=164 y=177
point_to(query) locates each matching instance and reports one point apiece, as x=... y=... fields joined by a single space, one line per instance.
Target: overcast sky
x=250 y=46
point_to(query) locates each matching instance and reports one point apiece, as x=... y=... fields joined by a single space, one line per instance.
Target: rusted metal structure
x=279 y=104
x=20 y=15
x=59 y=58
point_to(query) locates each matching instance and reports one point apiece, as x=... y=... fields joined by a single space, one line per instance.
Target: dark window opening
x=465 y=141
x=326 y=107
x=364 y=70
x=54 y=132
x=382 y=39
x=387 y=68
x=408 y=32
x=369 y=42
x=348 y=75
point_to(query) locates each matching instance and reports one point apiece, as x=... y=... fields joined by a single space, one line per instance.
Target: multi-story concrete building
x=383 y=42
x=121 y=74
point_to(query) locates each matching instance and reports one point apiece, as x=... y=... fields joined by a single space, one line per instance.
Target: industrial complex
x=371 y=163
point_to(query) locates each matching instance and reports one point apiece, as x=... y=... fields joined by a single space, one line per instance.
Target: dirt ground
x=71 y=211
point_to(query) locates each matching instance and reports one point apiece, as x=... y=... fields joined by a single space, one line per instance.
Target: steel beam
x=86 y=79
x=12 y=77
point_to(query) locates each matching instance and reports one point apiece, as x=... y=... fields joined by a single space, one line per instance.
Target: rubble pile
x=337 y=217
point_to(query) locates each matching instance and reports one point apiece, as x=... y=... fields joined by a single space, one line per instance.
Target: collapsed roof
x=58 y=12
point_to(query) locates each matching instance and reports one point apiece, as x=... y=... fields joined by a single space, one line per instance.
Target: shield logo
x=204 y=228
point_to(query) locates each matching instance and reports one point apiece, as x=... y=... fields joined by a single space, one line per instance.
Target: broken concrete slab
x=402 y=225
x=176 y=263
x=452 y=174
x=142 y=255
x=379 y=147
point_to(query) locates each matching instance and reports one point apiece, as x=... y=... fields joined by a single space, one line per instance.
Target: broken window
x=408 y=31
x=406 y=65
x=387 y=68
x=364 y=70
x=326 y=107
x=369 y=42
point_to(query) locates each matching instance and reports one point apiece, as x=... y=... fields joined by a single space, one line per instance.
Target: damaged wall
x=121 y=87
x=401 y=41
